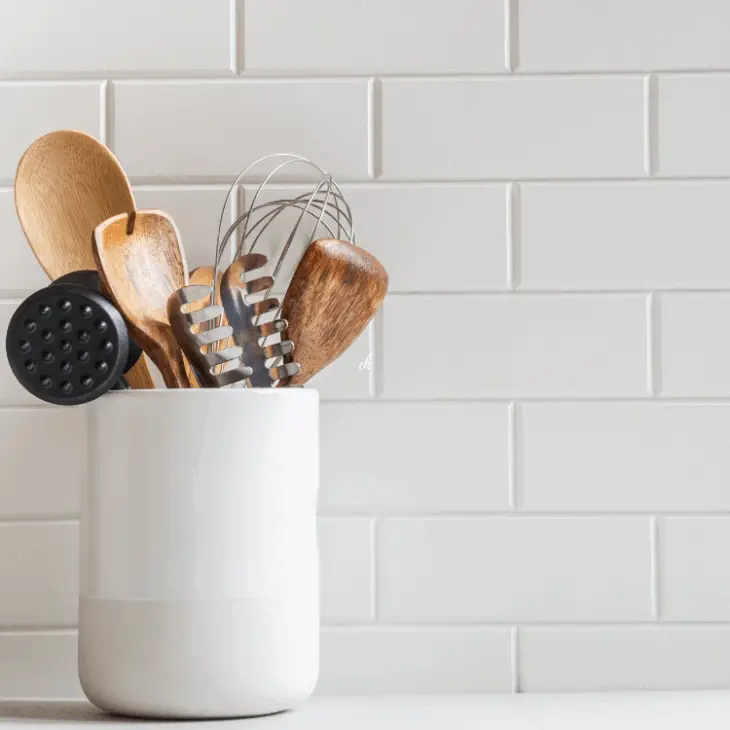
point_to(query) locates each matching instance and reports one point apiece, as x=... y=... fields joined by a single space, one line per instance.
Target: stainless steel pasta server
x=240 y=290
x=205 y=343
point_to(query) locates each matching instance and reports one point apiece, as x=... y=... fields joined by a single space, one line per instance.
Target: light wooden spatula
x=141 y=262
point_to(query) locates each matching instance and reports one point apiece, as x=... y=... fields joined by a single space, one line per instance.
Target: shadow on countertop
x=77 y=713
x=44 y=712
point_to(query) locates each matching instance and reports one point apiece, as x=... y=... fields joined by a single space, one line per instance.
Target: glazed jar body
x=199 y=593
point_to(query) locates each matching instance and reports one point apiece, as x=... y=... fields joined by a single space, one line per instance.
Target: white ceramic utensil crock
x=199 y=563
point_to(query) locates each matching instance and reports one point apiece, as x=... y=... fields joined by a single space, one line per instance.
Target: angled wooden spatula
x=335 y=291
x=141 y=262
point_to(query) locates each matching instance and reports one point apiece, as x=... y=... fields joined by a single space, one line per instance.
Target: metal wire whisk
x=322 y=204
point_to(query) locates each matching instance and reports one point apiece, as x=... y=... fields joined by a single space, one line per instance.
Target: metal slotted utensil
x=204 y=344
x=324 y=202
x=238 y=294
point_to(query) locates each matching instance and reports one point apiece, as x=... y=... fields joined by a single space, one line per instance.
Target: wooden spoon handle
x=172 y=366
x=140 y=377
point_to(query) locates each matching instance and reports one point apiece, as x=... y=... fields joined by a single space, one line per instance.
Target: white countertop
x=619 y=711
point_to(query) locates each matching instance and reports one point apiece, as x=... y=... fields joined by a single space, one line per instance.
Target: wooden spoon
x=141 y=263
x=67 y=183
x=335 y=291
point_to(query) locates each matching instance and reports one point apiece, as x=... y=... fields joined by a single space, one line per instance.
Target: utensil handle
x=139 y=376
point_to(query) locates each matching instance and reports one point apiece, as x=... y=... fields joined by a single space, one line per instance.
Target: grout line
x=173 y=184
x=650 y=125
x=514 y=236
x=103 y=113
x=486 y=294
x=40 y=630
x=374 y=128
x=557 y=625
x=610 y=514
x=515 y=659
x=654 y=557
x=376 y=373
x=655 y=344
x=500 y=513
x=223 y=75
x=163 y=180
x=236 y=58
x=511 y=35
x=719 y=400
x=512 y=472
x=110 y=128
x=523 y=293
x=236 y=204
x=650 y=366
x=374 y=593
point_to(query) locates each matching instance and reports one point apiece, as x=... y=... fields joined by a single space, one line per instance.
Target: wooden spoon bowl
x=67 y=183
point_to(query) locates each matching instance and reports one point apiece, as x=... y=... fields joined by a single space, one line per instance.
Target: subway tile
x=514 y=569
x=345 y=569
x=100 y=39
x=599 y=659
x=694 y=575
x=11 y=392
x=435 y=237
x=196 y=211
x=694 y=351
x=272 y=226
x=40 y=665
x=422 y=457
x=412 y=660
x=221 y=126
x=339 y=36
x=39 y=108
x=464 y=225
x=623 y=35
x=514 y=346
x=620 y=456
x=348 y=377
x=46 y=486
x=668 y=235
x=692 y=120
x=20 y=271
x=503 y=128
x=39 y=562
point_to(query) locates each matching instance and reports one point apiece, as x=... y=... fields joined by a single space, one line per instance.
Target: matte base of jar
x=198 y=659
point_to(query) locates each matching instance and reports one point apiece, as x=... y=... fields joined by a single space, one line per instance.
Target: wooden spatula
x=334 y=293
x=67 y=183
x=141 y=261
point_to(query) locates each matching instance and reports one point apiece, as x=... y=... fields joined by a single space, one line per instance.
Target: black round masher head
x=67 y=344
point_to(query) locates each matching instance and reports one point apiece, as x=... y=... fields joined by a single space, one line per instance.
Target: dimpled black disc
x=77 y=349
x=90 y=279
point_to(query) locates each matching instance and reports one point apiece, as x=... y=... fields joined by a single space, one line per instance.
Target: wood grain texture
x=334 y=293
x=204 y=275
x=141 y=262
x=67 y=183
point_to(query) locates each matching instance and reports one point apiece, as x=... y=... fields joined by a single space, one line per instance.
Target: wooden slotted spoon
x=67 y=183
x=335 y=291
x=141 y=262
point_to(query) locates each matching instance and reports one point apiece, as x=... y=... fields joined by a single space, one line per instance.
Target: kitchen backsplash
x=526 y=460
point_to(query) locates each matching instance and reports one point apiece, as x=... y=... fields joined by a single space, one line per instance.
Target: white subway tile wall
x=525 y=456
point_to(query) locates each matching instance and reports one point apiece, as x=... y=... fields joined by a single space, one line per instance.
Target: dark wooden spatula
x=335 y=291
